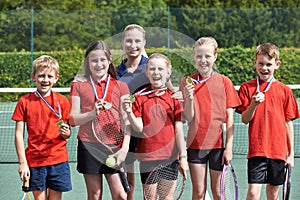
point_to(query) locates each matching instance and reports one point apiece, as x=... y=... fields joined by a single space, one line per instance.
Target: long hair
x=99 y=45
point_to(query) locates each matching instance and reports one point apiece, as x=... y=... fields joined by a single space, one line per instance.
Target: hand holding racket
x=229 y=185
x=286 y=188
x=109 y=129
x=164 y=182
x=25 y=188
x=183 y=167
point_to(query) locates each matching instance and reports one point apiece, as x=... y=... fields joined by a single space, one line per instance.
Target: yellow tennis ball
x=110 y=162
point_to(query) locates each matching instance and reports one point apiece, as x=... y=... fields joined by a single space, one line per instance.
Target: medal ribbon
x=158 y=91
x=105 y=89
x=268 y=86
x=202 y=81
x=58 y=114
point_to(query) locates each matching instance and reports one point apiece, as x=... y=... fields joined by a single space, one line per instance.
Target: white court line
x=7 y=126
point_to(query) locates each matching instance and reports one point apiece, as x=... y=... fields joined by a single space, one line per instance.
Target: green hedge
x=59 y=29
x=235 y=62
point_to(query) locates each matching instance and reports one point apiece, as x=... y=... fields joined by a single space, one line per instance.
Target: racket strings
x=164 y=182
x=109 y=127
x=229 y=185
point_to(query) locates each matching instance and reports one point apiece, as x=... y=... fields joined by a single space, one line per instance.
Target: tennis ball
x=189 y=81
x=111 y=162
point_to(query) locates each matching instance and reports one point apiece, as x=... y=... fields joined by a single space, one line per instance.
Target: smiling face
x=204 y=57
x=133 y=42
x=157 y=71
x=98 y=64
x=265 y=66
x=45 y=73
x=44 y=77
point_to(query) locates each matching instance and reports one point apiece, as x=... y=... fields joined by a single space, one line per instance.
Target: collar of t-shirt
x=121 y=69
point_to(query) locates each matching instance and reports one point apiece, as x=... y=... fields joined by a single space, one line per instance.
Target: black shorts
x=146 y=169
x=130 y=158
x=263 y=170
x=91 y=157
x=211 y=156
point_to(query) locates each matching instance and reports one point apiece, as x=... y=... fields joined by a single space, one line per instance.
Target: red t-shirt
x=159 y=114
x=267 y=129
x=211 y=99
x=45 y=145
x=84 y=90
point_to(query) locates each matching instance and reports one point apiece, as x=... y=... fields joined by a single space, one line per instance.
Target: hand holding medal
x=64 y=129
x=261 y=95
x=100 y=105
x=127 y=102
x=132 y=98
x=189 y=88
x=189 y=81
x=258 y=97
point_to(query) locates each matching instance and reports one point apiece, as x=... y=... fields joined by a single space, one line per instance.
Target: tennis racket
x=229 y=185
x=164 y=182
x=287 y=182
x=109 y=128
x=25 y=189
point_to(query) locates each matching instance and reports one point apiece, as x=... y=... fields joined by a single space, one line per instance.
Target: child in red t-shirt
x=89 y=95
x=132 y=72
x=210 y=99
x=269 y=107
x=158 y=118
x=46 y=114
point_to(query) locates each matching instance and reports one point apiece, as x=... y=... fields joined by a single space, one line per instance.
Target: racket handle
x=25 y=185
x=124 y=179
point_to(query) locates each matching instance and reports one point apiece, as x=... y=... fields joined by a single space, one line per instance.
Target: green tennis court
x=10 y=184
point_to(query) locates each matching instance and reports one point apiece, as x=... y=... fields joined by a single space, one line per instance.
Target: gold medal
x=132 y=98
x=60 y=122
x=189 y=81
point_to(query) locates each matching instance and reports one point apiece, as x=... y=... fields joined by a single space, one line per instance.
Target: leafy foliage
x=61 y=30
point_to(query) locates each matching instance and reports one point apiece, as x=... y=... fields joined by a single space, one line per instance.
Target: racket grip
x=25 y=186
x=124 y=180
